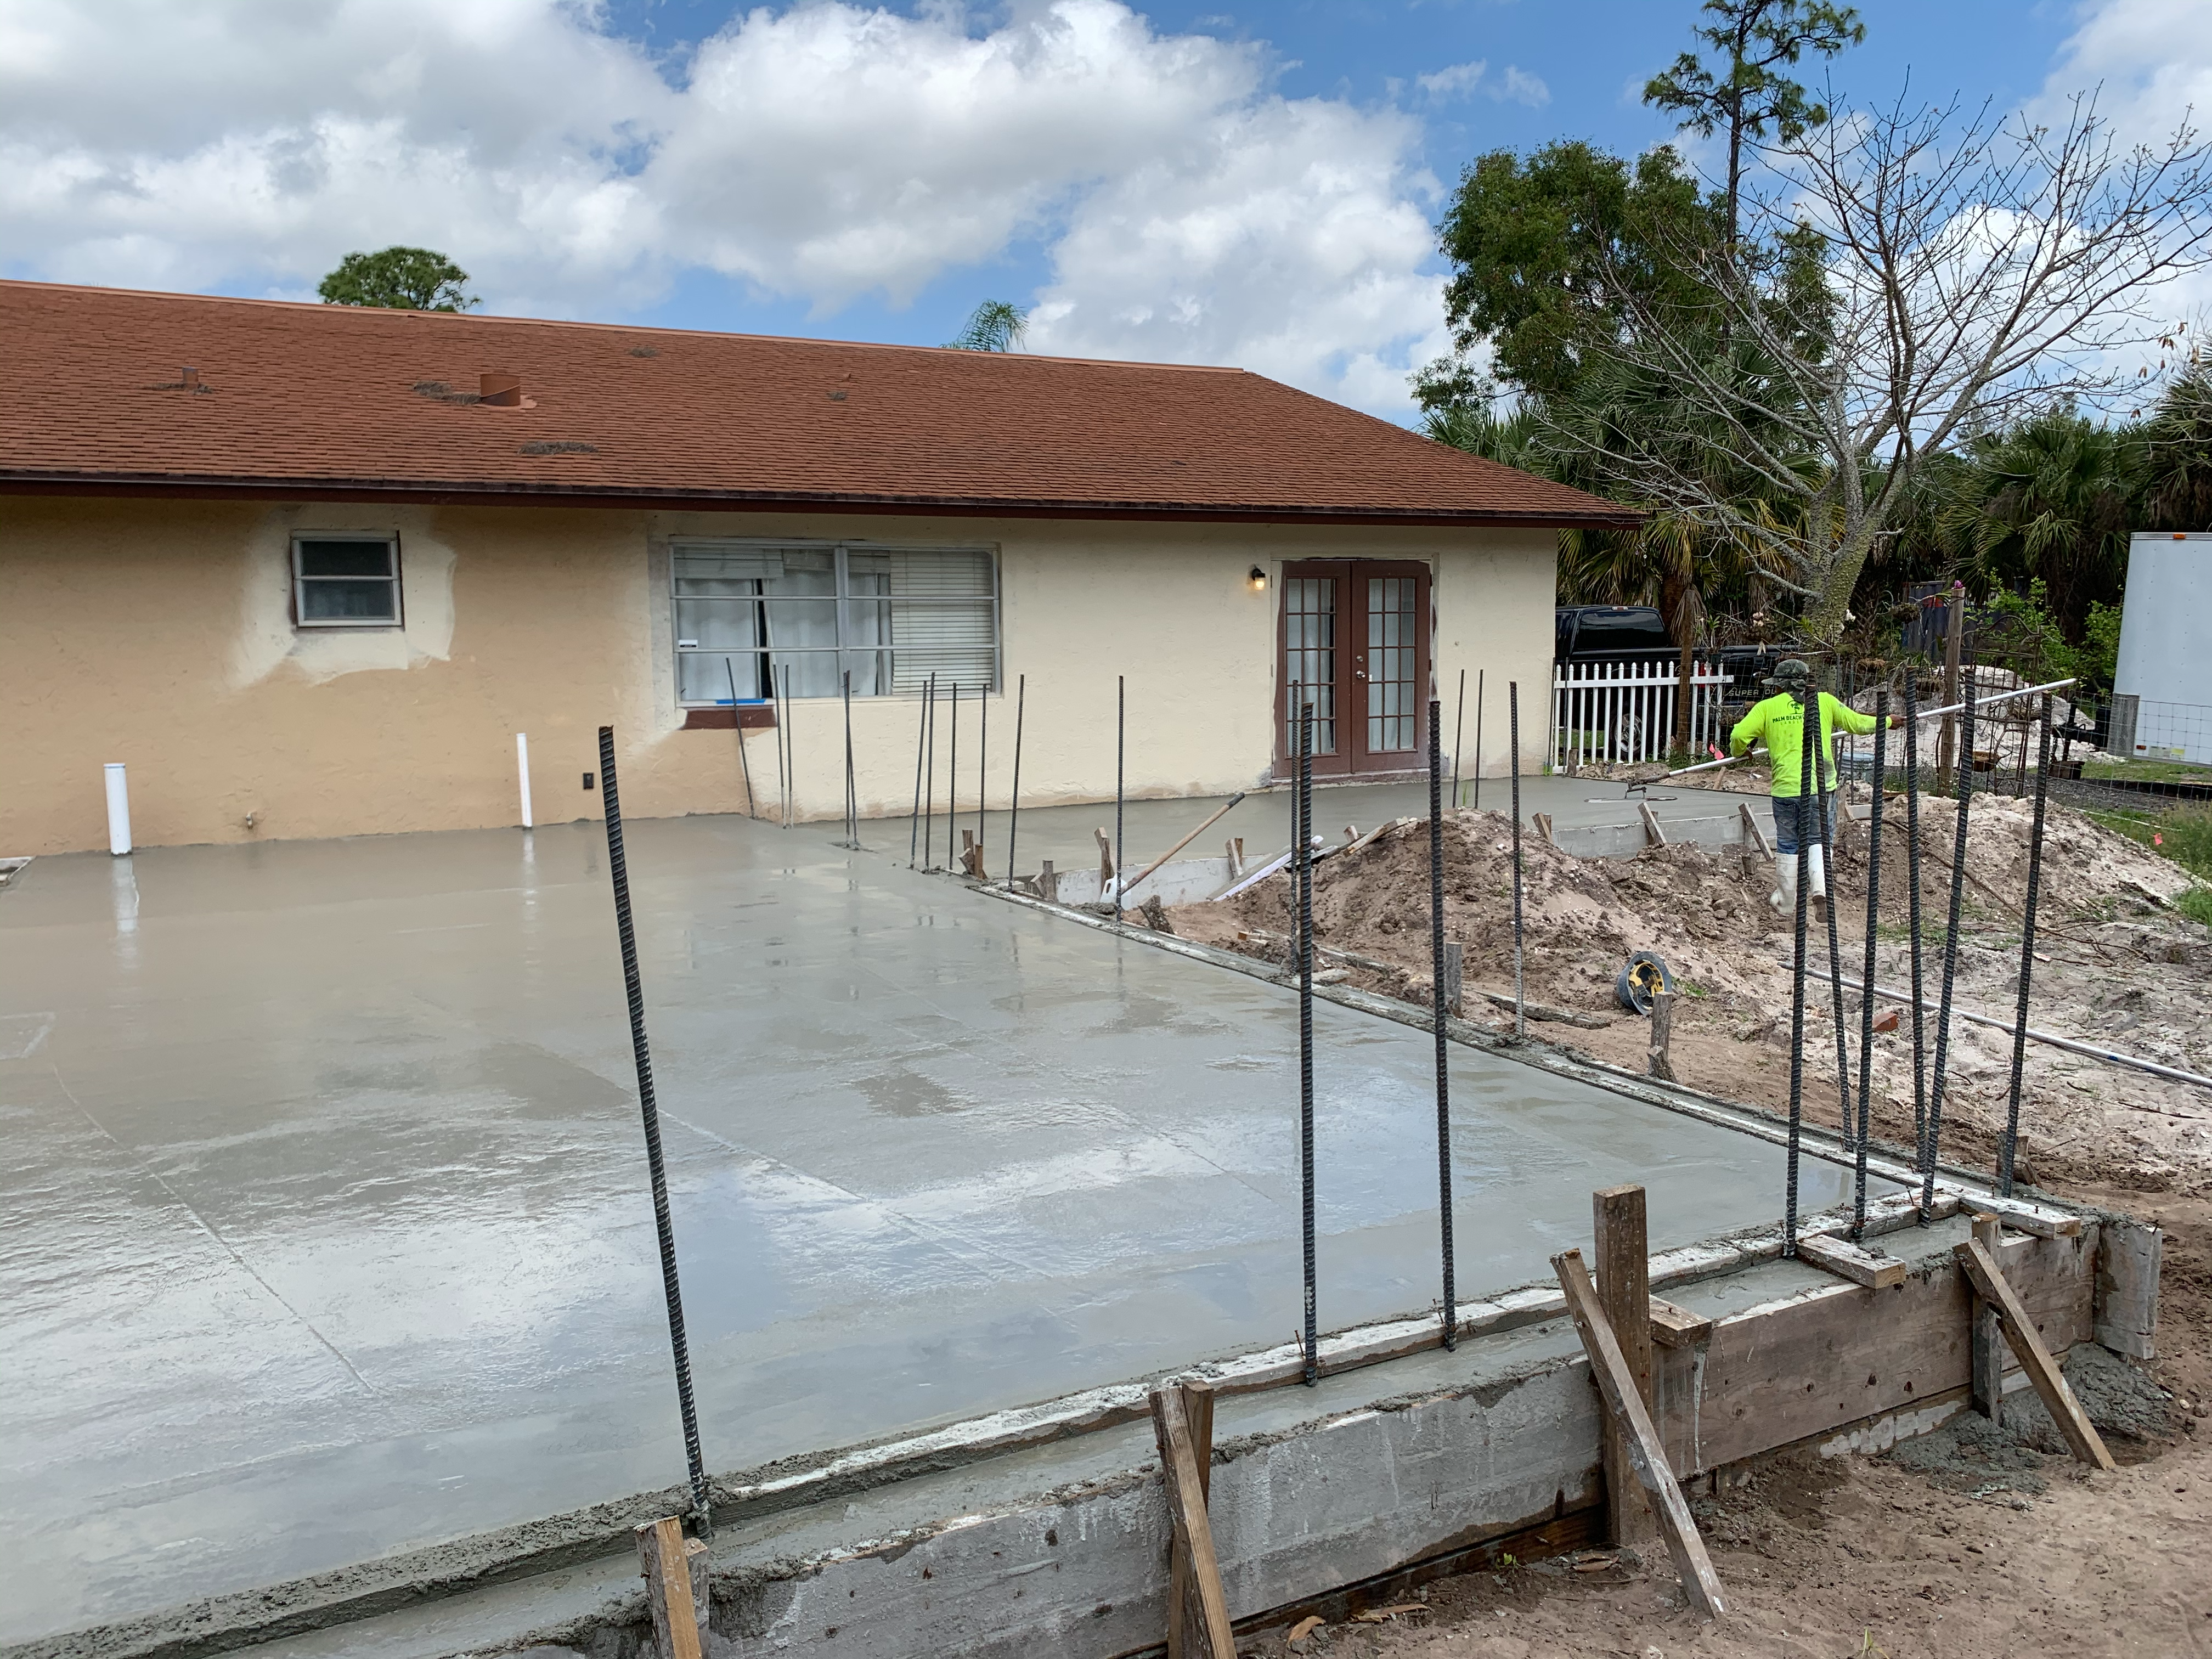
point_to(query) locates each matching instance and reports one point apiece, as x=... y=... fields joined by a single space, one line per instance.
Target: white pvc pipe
x=118 y=809
x=522 y=769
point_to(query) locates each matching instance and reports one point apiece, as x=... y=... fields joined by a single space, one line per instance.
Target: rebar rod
x=1014 y=799
x=1305 y=953
x=1120 y=750
x=1825 y=802
x=1459 y=730
x=952 y=786
x=2007 y=1152
x=1808 y=724
x=1866 y=1003
x=663 y=1227
x=982 y=773
x=1913 y=910
x=744 y=761
x=1479 y=676
x=1513 y=728
x=1932 y=1148
x=929 y=779
x=1437 y=987
x=921 y=745
x=852 y=802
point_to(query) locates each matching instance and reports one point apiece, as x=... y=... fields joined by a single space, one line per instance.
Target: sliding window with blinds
x=754 y=620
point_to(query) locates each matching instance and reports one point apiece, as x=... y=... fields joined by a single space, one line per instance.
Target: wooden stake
x=1048 y=882
x=1751 y=832
x=1661 y=1064
x=1700 y=1583
x=1988 y=1357
x=664 y=1555
x=2051 y=1384
x=1105 y=862
x=1624 y=1291
x=1653 y=835
x=1199 y=1631
x=1454 y=980
x=1542 y=823
x=1198 y=1416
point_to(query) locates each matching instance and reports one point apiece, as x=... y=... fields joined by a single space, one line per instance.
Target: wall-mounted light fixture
x=1258 y=579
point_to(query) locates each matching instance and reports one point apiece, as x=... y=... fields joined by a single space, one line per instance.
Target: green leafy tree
x=399 y=279
x=1546 y=252
x=993 y=326
x=1745 y=92
x=2045 y=506
x=2177 y=451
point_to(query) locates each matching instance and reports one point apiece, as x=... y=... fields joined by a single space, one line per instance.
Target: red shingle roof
x=311 y=400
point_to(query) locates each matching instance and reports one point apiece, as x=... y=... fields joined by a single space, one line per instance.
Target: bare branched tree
x=1966 y=273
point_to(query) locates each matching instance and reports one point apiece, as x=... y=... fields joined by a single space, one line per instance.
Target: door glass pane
x=1390 y=663
x=1309 y=659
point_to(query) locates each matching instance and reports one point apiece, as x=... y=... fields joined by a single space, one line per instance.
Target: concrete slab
x=329 y=1235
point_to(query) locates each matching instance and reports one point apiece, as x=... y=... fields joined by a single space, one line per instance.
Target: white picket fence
x=1624 y=711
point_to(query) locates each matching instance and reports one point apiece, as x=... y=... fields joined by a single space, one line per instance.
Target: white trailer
x=2165 y=646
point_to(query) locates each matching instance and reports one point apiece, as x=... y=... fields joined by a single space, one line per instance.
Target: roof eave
x=215 y=487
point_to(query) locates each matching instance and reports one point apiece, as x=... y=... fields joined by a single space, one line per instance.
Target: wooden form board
x=2050 y=1385
x=1617 y=1382
x=1860 y=1265
x=1865 y=1354
x=1198 y=1610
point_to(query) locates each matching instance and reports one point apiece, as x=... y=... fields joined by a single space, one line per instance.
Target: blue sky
x=1179 y=182
x=1593 y=59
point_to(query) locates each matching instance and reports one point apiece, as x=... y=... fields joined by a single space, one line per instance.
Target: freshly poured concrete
x=328 y=1228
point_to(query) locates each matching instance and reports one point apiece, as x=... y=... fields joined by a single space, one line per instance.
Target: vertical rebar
x=744 y=761
x=1014 y=799
x=1303 y=929
x=952 y=786
x=1121 y=747
x=1808 y=774
x=1932 y=1146
x=1825 y=802
x=1865 y=977
x=982 y=773
x=1913 y=910
x=1479 y=674
x=1437 y=983
x=1513 y=759
x=663 y=1227
x=2007 y=1151
x=1459 y=731
x=929 y=778
x=920 y=746
x=852 y=800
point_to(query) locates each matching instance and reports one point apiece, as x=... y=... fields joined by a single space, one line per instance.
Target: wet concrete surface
x=328 y=1231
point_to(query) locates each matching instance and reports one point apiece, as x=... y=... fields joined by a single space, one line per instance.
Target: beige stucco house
x=309 y=570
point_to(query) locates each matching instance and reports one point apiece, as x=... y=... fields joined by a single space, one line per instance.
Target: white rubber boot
x=1818 y=866
x=1785 y=896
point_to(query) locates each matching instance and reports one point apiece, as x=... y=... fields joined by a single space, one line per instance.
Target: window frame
x=842 y=598
x=388 y=539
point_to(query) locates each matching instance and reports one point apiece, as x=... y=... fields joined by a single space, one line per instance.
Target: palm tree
x=2177 y=473
x=2050 y=500
x=993 y=326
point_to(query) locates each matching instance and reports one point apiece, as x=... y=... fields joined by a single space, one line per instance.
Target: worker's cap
x=1790 y=673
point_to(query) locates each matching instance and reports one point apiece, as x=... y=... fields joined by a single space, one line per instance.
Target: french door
x=1354 y=644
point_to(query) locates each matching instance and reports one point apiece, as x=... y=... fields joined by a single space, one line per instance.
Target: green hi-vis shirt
x=1780 y=720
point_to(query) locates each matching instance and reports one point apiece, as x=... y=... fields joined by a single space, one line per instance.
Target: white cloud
x=821 y=152
x=1515 y=86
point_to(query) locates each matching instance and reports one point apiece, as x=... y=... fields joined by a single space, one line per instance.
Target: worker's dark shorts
x=1793 y=812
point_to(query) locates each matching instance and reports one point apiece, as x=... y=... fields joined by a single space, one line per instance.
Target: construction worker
x=1779 y=722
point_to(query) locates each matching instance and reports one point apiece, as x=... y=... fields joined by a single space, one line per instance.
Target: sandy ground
x=1969 y=1543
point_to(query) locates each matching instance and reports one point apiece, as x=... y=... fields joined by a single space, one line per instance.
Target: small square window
x=346 y=581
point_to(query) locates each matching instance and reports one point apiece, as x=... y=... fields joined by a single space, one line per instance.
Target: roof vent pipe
x=502 y=391
x=189 y=378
